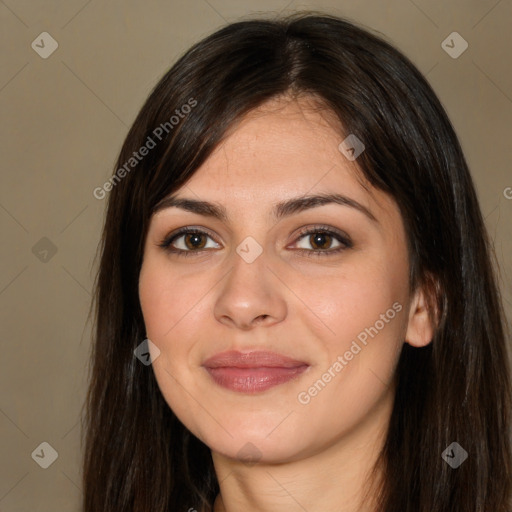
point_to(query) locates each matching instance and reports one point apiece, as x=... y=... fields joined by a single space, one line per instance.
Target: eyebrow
x=280 y=210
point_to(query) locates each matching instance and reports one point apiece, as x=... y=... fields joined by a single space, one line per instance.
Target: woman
x=293 y=240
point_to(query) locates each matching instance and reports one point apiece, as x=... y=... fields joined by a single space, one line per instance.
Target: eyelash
x=339 y=236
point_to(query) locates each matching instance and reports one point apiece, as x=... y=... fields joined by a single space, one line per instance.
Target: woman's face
x=322 y=283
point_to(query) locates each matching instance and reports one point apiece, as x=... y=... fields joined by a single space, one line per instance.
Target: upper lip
x=253 y=359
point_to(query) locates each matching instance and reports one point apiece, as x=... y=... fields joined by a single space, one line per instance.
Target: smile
x=252 y=372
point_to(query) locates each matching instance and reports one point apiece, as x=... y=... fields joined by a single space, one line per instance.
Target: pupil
x=194 y=238
x=321 y=239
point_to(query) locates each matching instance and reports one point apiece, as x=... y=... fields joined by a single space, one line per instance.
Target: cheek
x=364 y=308
x=168 y=300
x=171 y=307
x=366 y=312
x=168 y=305
x=154 y=296
x=355 y=296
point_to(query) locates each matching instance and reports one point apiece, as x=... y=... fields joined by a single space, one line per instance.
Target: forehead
x=298 y=136
x=284 y=149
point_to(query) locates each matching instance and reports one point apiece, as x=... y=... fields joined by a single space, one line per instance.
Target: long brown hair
x=138 y=455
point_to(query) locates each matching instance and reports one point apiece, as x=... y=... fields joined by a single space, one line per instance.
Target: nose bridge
x=251 y=290
x=249 y=267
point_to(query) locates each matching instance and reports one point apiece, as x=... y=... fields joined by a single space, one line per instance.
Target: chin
x=256 y=446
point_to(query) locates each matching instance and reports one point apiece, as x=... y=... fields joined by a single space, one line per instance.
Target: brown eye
x=188 y=242
x=194 y=241
x=320 y=240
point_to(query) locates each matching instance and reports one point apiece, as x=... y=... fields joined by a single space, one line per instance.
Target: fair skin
x=311 y=454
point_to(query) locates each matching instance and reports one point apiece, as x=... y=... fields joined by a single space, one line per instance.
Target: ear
x=421 y=325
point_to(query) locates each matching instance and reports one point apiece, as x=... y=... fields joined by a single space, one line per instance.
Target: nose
x=251 y=295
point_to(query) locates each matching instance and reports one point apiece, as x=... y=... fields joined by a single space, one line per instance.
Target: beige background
x=63 y=121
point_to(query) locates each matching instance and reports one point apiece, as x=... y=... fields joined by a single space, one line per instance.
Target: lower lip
x=253 y=380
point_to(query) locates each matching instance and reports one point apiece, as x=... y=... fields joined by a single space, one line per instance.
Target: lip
x=252 y=372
